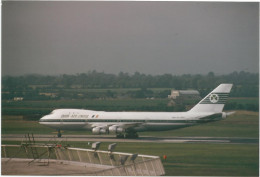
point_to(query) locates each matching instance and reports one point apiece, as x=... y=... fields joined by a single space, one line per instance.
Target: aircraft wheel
x=131 y=135
x=136 y=135
x=59 y=134
x=120 y=135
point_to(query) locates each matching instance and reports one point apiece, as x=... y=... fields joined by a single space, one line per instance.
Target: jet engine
x=116 y=129
x=99 y=130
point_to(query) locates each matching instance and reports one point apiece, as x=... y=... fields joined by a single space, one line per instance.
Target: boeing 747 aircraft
x=127 y=124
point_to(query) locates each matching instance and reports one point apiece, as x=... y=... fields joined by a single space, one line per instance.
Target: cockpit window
x=53 y=112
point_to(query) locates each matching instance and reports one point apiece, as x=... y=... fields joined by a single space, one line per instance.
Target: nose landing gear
x=59 y=134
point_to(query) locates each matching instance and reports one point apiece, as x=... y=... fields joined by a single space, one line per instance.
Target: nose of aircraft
x=44 y=118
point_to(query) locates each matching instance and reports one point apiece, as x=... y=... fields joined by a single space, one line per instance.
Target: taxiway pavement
x=143 y=139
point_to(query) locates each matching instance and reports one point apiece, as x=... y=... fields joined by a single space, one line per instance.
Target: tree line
x=245 y=83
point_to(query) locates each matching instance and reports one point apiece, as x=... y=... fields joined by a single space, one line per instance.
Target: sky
x=54 y=38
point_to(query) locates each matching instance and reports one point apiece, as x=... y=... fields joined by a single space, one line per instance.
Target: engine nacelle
x=116 y=129
x=224 y=115
x=99 y=130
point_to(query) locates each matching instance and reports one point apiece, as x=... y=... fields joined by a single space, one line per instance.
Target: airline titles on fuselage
x=77 y=116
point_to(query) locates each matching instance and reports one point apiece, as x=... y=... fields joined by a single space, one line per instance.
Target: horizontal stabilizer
x=230 y=113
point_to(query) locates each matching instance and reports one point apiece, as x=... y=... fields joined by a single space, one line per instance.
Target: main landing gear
x=128 y=134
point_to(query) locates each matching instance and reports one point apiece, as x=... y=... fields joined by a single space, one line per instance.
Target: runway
x=142 y=139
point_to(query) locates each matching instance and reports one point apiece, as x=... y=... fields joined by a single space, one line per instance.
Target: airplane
x=127 y=124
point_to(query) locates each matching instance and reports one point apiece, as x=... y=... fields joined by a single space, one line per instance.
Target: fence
x=115 y=163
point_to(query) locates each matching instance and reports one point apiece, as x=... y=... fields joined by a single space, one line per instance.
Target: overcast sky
x=149 y=37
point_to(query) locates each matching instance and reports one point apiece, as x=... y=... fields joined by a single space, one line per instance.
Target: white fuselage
x=207 y=110
x=75 y=119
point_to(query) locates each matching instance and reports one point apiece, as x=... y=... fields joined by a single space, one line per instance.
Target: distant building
x=18 y=98
x=80 y=95
x=53 y=95
x=181 y=95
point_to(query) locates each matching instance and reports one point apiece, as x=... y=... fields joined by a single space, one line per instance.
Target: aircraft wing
x=122 y=125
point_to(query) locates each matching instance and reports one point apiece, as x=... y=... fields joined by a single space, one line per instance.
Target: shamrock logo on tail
x=213 y=98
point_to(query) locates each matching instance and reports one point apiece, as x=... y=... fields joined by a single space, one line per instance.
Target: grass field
x=244 y=100
x=45 y=107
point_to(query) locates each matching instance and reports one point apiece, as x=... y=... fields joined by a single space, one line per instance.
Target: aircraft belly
x=165 y=126
x=66 y=126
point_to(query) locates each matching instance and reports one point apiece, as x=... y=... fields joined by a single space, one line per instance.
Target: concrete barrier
x=112 y=163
